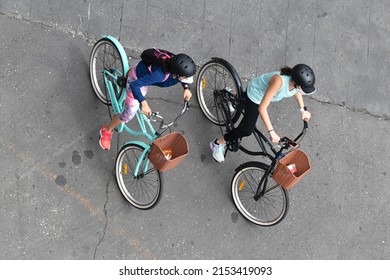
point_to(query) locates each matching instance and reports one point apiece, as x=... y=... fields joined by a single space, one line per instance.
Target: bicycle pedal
x=235 y=145
x=121 y=81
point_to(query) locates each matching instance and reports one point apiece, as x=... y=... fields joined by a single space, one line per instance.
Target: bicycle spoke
x=142 y=190
x=105 y=57
x=271 y=206
x=213 y=78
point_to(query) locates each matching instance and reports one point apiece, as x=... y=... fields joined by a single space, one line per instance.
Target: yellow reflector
x=125 y=168
x=204 y=83
x=241 y=185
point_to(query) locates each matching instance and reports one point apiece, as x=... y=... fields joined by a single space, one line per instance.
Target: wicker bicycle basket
x=284 y=176
x=174 y=141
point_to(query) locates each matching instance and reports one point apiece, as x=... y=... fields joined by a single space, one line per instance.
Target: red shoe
x=105 y=138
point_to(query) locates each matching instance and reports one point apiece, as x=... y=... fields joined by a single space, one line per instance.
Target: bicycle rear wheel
x=272 y=206
x=215 y=77
x=144 y=190
x=105 y=56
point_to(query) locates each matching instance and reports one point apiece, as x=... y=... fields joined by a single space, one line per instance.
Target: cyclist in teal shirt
x=261 y=91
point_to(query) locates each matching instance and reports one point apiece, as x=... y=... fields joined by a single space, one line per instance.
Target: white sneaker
x=218 y=151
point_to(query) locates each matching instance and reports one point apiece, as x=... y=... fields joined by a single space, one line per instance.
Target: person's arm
x=275 y=84
x=304 y=113
x=147 y=80
x=187 y=94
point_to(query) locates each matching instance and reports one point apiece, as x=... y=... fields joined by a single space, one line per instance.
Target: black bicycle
x=259 y=189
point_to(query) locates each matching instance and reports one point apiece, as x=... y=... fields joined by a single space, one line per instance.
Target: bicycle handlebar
x=286 y=142
x=164 y=126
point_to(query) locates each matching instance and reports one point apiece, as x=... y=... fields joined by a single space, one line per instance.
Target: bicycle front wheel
x=270 y=208
x=105 y=56
x=214 y=77
x=143 y=190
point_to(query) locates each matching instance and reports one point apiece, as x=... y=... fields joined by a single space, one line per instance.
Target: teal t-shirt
x=258 y=86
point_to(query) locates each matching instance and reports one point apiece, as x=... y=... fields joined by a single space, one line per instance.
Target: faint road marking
x=81 y=200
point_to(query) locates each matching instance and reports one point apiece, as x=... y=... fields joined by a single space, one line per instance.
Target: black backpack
x=156 y=56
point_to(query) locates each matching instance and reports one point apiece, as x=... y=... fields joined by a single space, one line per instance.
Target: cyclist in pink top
x=180 y=68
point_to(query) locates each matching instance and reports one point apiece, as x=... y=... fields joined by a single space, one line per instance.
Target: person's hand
x=187 y=95
x=145 y=109
x=306 y=115
x=274 y=137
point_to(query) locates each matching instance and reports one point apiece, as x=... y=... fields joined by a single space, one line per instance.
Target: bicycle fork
x=261 y=188
x=143 y=160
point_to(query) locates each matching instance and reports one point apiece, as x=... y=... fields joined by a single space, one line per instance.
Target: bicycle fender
x=142 y=144
x=230 y=68
x=121 y=52
x=252 y=163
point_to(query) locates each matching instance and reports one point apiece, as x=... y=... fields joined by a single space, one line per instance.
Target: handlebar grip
x=305 y=125
x=154 y=116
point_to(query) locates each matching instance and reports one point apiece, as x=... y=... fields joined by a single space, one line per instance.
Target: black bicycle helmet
x=182 y=65
x=303 y=76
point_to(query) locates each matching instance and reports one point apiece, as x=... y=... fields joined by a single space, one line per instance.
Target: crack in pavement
x=73 y=32
x=351 y=109
x=106 y=220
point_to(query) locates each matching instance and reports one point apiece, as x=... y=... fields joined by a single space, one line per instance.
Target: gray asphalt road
x=59 y=198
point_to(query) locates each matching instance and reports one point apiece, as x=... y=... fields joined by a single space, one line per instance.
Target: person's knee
x=126 y=117
x=128 y=114
x=245 y=132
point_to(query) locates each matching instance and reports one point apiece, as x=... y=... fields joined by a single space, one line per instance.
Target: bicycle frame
x=222 y=100
x=146 y=127
x=262 y=141
x=118 y=106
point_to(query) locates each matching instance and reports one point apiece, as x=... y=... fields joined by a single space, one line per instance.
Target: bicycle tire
x=271 y=208
x=217 y=74
x=144 y=191
x=105 y=55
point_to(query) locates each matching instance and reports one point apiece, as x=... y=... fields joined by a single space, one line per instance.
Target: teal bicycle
x=138 y=165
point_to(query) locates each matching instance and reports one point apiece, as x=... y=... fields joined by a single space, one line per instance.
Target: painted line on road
x=81 y=200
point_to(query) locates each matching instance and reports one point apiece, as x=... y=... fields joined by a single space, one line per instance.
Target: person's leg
x=131 y=107
x=245 y=128
x=114 y=123
x=106 y=133
x=247 y=124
